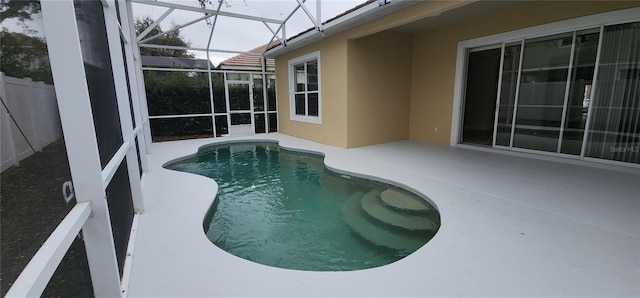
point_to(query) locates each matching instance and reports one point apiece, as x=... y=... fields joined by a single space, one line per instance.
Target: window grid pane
x=305 y=89
x=312 y=75
x=300 y=77
x=313 y=104
x=300 y=103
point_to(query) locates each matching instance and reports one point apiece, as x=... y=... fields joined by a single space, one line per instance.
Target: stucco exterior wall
x=379 y=88
x=333 y=72
x=356 y=99
x=334 y=86
x=435 y=49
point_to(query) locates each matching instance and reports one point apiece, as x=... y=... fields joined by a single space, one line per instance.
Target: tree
x=172 y=38
x=22 y=9
x=25 y=56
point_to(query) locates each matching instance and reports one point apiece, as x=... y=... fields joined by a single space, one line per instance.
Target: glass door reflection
x=541 y=97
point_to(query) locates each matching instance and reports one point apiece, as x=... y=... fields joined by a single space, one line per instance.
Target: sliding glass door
x=580 y=86
x=575 y=94
x=541 y=96
x=614 y=129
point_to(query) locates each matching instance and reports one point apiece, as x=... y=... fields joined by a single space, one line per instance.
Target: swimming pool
x=285 y=209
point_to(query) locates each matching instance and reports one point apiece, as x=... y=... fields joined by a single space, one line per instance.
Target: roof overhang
x=352 y=19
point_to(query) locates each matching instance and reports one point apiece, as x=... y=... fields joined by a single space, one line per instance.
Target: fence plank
x=34 y=107
x=8 y=150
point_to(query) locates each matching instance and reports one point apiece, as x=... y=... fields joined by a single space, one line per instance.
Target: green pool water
x=285 y=209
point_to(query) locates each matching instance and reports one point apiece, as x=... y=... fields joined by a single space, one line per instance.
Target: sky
x=242 y=35
x=229 y=33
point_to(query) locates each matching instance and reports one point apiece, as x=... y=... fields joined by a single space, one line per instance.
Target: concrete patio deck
x=511 y=226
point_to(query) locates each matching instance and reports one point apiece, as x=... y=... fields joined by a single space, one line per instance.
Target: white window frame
x=292 y=103
x=575 y=24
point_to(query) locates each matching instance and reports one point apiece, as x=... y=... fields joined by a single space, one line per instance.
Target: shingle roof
x=244 y=60
x=175 y=62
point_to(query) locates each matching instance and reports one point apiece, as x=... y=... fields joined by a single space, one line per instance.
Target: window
x=304 y=88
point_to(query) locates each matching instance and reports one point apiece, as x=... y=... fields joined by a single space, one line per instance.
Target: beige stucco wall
x=333 y=89
x=335 y=129
x=435 y=49
x=354 y=100
x=379 y=88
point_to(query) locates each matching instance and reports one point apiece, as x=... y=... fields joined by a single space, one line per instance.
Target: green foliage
x=176 y=93
x=172 y=38
x=183 y=93
x=25 y=57
x=22 y=9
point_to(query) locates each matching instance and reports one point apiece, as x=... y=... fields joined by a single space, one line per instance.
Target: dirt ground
x=31 y=206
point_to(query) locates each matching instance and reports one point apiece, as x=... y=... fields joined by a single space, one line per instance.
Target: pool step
x=399 y=200
x=356 y=218
x=374 y=207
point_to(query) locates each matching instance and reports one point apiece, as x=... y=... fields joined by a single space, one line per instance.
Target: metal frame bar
x=207 y=11
x=567 y=91
x=129 y=49
x=154 y=24
x=587 y=127
x=503 y=47
x=141 y=97
x=282 y=28
x=124 y=110
x=176 y=28
x=201 y=70
x=67 y=66
x=128 y=262
x=211 y=99
x=155 y=46
x=180 y=116
x=515 y=100
x=123 y=35
x=339 y=23
x=112 y=166
x=275 y=35
x=313 y=20
x=36 y=275
x=319 y=14
x=249 y=83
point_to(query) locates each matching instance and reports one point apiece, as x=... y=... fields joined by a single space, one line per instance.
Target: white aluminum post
x=139 y=80
x=319 y=14
x=67 y=66
x=128 y=29
x=313 y=20
x=211 y=99
x=265 y=100
x=124 y=110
